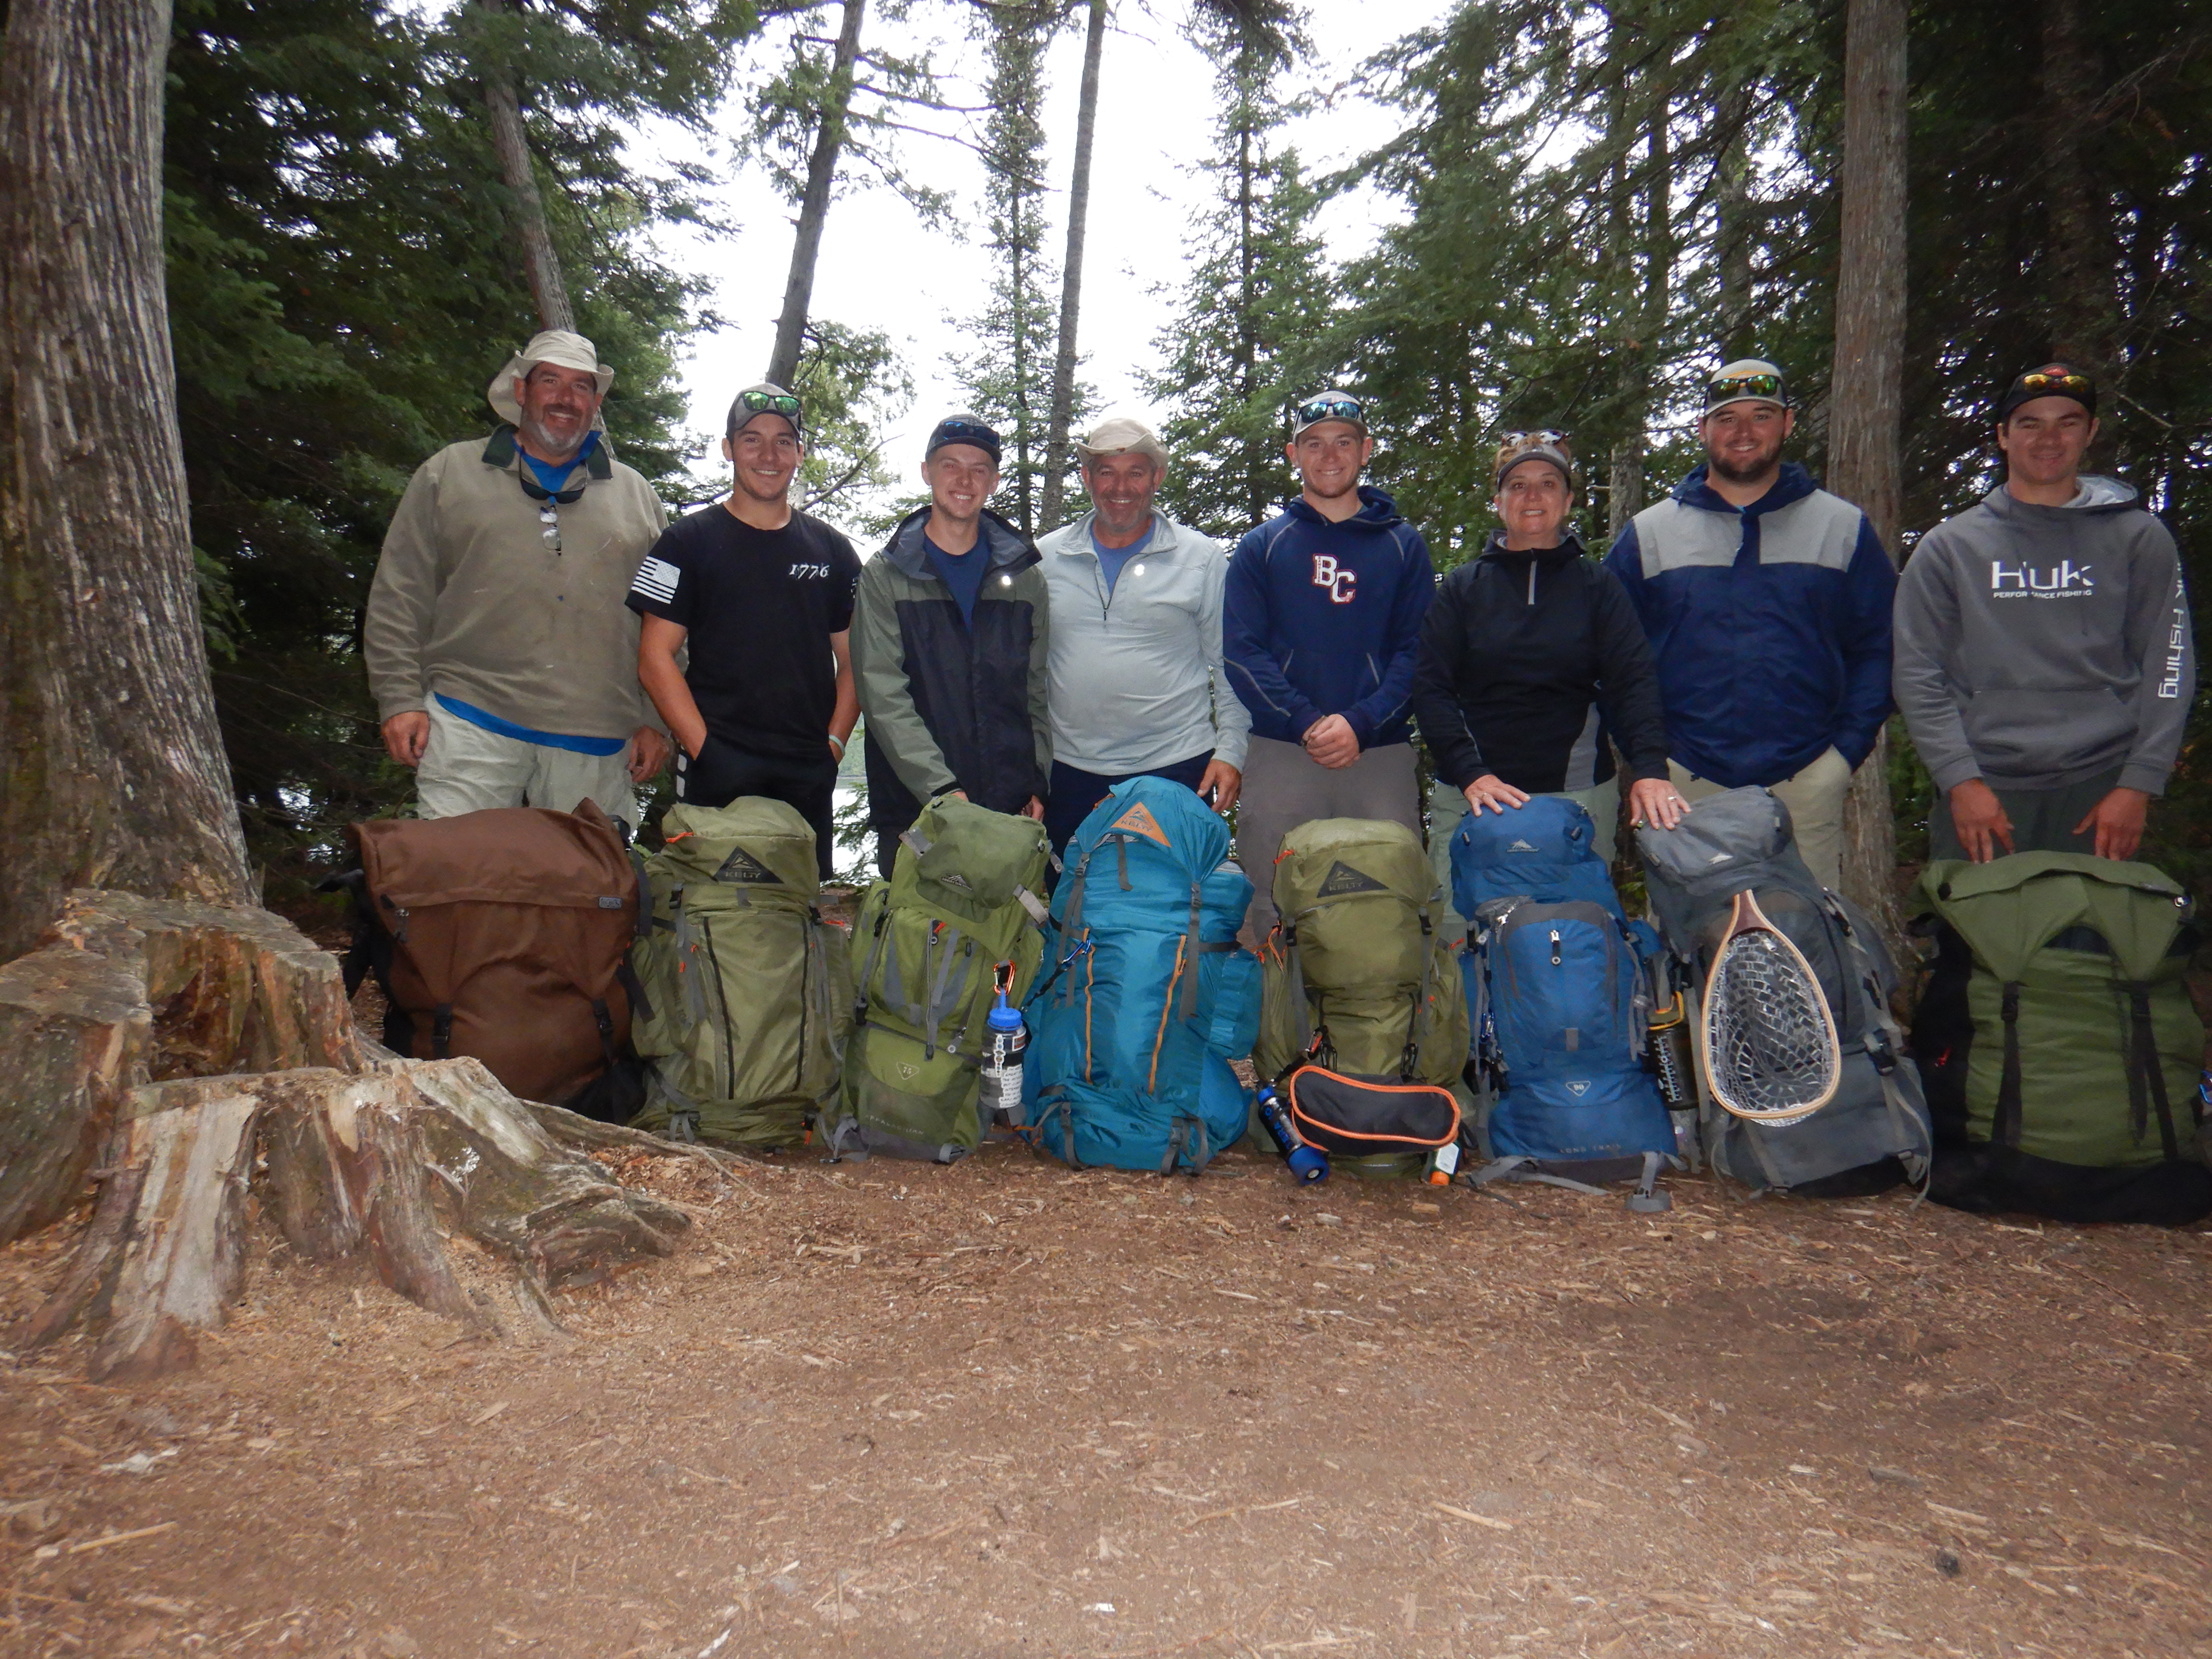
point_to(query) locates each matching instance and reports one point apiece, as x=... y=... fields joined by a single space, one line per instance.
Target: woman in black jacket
x=1532 y=663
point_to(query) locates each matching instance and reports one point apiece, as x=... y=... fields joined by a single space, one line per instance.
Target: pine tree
x=1248 y=328
x=1007 y=370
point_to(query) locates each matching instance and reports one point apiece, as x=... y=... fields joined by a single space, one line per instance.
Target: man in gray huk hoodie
x=2044 y=662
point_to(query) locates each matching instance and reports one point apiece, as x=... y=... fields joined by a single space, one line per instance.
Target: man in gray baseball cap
x=1135 y=664
x=502 y=658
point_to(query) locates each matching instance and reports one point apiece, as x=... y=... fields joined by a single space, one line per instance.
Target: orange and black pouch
x=1354 y=1115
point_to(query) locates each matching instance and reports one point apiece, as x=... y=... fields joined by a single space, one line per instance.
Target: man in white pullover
x=1135 y=667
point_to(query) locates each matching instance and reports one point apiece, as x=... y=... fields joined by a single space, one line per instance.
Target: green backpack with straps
x=2056 y=1023
x=1358 y=972
x=751 y=991
x=959 y=920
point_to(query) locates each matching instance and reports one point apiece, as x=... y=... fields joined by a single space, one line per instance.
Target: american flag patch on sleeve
x=656 y=580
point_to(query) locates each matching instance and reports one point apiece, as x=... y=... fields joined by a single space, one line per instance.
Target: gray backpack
x=1874 y=1132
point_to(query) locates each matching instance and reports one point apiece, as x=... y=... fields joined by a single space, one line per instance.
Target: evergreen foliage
x=342 y=289
x=1246 y=337
x=1007 y=374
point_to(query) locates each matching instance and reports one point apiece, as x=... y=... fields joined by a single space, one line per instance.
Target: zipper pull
x=1555 y=947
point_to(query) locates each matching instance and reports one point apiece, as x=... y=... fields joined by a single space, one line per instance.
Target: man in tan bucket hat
x=500 y=653
x=1135 y=665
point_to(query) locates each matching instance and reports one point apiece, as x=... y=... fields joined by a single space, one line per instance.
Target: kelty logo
x=1521 y=846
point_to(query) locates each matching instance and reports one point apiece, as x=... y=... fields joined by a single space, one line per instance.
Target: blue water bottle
x=1308 y=1164
x=1008 y=1036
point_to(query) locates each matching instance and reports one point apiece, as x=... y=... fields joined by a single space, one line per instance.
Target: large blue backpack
x=1558 y=987
x=1147 y=993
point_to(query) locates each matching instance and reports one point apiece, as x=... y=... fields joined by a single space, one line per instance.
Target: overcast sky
x=881 y=269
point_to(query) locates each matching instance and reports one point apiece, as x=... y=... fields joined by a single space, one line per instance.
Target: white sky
x=881 y=269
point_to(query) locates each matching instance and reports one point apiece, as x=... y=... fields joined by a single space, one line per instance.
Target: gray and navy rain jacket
x=951 y=703
x=1321 y=618
x=1771 y=626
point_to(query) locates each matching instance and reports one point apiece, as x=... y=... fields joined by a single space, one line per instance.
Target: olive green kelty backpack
x=1358 y=973
x=931 y=943
x=2057 y=1041
x=751 y=991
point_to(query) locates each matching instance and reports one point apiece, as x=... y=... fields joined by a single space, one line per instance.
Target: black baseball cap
x=962 y=428
x=2051 y=381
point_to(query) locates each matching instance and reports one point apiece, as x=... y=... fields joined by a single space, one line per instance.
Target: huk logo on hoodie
x=2063 y=581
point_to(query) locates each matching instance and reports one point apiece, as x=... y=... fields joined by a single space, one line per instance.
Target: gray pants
x=2043 y=820
x=466 y=769
x=1284 y=787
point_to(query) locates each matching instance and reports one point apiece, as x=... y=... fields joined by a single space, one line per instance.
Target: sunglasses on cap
x=1743 y=385
x=2041 y=381
x=973 y=432
x=1514 y=442
x=1332 y=407
x=769 y=402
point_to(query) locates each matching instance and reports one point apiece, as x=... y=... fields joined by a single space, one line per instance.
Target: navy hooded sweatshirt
x=1770 y=625
x=1321 y=618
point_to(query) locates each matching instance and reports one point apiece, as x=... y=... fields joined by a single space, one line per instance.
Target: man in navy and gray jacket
x=1767 y=602
x=1322 y=622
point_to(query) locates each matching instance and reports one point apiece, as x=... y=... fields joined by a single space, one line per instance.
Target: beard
x=551 y=444
x=1744 y=473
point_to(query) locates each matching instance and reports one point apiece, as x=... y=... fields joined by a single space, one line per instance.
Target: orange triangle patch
x=1139 y=821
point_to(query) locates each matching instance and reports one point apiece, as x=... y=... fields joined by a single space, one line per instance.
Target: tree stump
x=195 y=1051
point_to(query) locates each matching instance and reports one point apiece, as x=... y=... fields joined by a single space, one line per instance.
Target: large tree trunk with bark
x=541 y=266
x=182 y=1047
x=814 y=203
x=2084 y=307
x=1865 y=438
x=112 y=768
x=1056 y=449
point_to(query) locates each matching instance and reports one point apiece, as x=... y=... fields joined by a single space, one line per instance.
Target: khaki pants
x=466 y=769
x=1284 y=787
x=1447 y=806
x=1815 y=800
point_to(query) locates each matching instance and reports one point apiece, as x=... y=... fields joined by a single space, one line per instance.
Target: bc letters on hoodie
x=1322 y=618
x=1771 y=625
x=2040 y=646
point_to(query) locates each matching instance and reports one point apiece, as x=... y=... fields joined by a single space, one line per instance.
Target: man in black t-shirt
x=764 y=595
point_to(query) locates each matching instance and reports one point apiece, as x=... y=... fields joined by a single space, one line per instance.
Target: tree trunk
x=188 y=1044
x=1071 y=275
x=1733 y=232
x=814 y=203
x=2084 y=305
x=1865 y=458
x=114 y=770
x=540 y=265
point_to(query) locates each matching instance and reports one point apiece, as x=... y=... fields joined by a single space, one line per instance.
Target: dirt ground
x=1001 y=1409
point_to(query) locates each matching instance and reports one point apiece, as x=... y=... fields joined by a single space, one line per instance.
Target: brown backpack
x=502 y=934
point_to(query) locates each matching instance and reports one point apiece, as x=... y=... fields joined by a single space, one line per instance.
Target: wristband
x=840 y=742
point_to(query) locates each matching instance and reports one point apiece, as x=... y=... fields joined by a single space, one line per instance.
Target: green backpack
x=1358 y=972
x=959 y=910
x=751 y=991
x=2056 y=1023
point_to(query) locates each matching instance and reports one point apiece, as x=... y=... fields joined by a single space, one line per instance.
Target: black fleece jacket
x=1516 y=651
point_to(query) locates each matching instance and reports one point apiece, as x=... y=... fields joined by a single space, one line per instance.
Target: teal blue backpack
x=1146 y=994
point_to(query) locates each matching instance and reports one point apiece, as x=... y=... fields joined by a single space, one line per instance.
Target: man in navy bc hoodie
x=1322 y=622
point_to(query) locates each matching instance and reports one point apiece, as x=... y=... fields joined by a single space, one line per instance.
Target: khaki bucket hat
x=556 y=346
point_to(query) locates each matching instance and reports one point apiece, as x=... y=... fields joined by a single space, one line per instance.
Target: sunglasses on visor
x=2042 y=382
x=1331 y=409
x=769 y=402
x=1744 y=385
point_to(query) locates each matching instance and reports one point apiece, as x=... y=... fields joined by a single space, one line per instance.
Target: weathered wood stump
x=190 y=1051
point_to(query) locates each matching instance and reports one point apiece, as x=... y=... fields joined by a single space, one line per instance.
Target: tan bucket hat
x=1119 y=436
x=556 y=346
